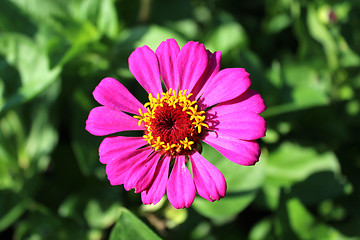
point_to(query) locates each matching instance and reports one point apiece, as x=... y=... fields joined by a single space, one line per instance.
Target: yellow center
x=173 y=123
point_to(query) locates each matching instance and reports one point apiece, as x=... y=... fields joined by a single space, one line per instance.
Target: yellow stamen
x=181 y=101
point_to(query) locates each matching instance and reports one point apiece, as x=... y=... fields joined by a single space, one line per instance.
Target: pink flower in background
x=201 y=103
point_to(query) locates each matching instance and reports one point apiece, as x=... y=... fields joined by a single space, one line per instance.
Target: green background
x=303 y=57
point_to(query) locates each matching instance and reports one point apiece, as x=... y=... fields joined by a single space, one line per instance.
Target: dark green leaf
x=130 y=227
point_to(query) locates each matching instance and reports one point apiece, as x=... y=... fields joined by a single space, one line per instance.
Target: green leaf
x=97 y=217
x=12 y=206
x=49 y=9
x=294 y=218
x=243 y=183
x=226 y=38
x=11 y=137
x=278 y=23
x=321 y=33
x=291 y=163
x=130 y=227
x=101 y=13
x=40 y=223
x=300 y=85
x=261 y=229
x=300 y=218
x=155 y=34
x=12 y=19
x=33 y=66
x=320 y=186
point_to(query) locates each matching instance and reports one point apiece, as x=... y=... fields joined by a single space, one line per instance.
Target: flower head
x=201 y=103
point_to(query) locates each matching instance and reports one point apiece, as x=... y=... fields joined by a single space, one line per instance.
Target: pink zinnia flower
x=201 y=103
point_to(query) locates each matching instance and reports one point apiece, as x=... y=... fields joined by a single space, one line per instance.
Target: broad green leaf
x=226 y=38
x=130 y=227
x=101 y=13
x=300 y=86
x=243 y=183
x=33 y=66
x=291 y=163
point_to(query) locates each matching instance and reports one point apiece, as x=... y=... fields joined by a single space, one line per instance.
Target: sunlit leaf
x=300 y=87
x=154 y=35
x=32 y=65
x=226 y=38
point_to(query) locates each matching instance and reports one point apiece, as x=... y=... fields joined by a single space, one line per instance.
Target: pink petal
x=228 y=122
x=228 y=84
x=104 y=121
x=209 y=181
x=167 y=53
x=119 y=168
x=143 y=64
x=142 y=173
x=192 y=61
x=238 y=151
x=112 y=94
x=212 y=69
x=180 y=188
x=113 y=147
x=250 y=100
x=158 y=186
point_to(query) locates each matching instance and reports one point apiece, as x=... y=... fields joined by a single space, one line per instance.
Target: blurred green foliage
x=303 y=57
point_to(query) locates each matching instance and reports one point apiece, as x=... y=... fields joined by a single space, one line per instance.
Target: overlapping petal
x=209 y=181
x=250 y=100
x=103 y=121
x=158 y=187
x=192 y=62
x=213 y=67
x=142 y=173
x=180 y=188
x=228 y=122
x=144 y=65
x=119 y=168
x=114 y=147
x=111 y=93
x=242 y=152
x=227 y=84
x=167 y=54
